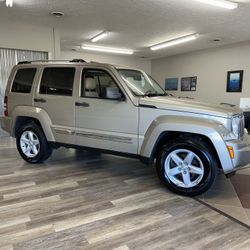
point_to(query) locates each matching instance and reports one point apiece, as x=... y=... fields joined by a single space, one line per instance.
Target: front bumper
x=6 y=124
x=241 y=151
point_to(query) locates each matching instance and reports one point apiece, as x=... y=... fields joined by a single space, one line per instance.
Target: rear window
x=57 y=81
x=23 y=80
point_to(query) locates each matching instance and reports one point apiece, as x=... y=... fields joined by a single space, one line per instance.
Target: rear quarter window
x=23 y=80
x=57 y=81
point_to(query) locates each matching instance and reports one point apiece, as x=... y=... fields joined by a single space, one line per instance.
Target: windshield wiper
x=154 y=94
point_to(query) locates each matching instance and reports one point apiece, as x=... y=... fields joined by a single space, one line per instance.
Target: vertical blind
x=9 y=58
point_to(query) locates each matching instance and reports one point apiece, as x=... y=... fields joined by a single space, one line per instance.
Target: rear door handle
x=82 y=104
x=39 y=100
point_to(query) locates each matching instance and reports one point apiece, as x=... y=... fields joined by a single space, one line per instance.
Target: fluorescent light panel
x=173 y=42
x=220 y=3
x=107 y=49
x=9 y=3
x=99 y=36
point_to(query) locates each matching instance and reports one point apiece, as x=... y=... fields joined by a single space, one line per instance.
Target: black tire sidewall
x=210 y=168
x=44 y=147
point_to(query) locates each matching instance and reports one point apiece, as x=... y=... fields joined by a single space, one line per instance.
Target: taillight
x=5 y=106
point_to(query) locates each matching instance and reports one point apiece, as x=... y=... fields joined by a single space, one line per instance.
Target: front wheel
x=32 y=144
x=186 y=166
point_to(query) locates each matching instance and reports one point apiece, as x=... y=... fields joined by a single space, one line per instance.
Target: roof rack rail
x=77 y=61
x=71 y=61
x=23 y=62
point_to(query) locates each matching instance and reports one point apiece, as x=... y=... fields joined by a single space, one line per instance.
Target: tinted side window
x=23 y=80
x=57 y=81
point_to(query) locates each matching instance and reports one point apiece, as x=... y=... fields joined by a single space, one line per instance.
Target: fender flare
x=36 y=113
x=208 y=128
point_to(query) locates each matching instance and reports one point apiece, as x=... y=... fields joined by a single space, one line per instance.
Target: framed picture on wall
x=171 y=84
x=234 y=81
x=188 y=83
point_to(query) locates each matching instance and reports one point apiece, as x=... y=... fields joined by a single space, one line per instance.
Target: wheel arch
x=170 y=135
x=166 y=128
x=22 y=120
x=23 y=115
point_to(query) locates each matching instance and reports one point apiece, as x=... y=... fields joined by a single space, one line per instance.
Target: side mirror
x=114 y=93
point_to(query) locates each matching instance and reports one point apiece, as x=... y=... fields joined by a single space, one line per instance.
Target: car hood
x=185 y=105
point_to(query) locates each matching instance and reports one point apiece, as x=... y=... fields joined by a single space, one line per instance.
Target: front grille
x=238 y=124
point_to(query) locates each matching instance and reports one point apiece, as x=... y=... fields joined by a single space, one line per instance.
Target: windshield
x=141 y=84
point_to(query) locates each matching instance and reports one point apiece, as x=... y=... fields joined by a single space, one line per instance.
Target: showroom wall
x=127 y=60
x=23 y=36
x=17 y=35
x=210 y=66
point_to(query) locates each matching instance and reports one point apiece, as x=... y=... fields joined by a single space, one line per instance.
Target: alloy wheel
x=184 y=168
x=30 y=144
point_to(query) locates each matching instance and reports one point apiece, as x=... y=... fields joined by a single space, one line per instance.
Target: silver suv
x=122 y=111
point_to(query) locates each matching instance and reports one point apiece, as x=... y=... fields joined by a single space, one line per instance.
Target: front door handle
x=39 y=100
x=82 y=104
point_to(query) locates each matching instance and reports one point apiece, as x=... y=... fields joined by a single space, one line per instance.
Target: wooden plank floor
x=79 y=200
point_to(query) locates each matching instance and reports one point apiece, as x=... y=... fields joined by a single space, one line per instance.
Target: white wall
x=24 y=36
x=15 y=35
x=131 y=61
x=210 y=66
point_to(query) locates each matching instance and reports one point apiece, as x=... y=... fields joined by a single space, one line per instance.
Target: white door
x=105 y=118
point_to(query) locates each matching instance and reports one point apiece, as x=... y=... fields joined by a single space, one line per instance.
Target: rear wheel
x=186 y=166
x=32 y=144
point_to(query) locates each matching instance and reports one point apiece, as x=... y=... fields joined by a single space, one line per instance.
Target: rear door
x=55 y=96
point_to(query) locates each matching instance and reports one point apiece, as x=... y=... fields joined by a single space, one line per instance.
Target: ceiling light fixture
x=99 y=36
x=176 y=41
x=107 y=49
x=220 y=3
x=9 y=3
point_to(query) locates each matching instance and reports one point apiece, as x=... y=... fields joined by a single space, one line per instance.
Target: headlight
x=238 y=125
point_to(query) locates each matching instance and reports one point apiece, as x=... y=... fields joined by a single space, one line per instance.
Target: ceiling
x=136 y=24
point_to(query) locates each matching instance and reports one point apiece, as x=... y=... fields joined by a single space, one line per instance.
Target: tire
x=32 y=144
x=186 y=166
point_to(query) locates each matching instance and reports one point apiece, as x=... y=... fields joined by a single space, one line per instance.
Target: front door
x=105 y=117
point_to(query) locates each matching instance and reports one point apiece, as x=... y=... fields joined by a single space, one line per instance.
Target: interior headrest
x=90 y=83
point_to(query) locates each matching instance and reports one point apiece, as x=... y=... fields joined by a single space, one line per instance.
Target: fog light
x=231 y=151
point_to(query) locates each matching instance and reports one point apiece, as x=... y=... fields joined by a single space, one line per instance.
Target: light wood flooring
x=80 y=200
